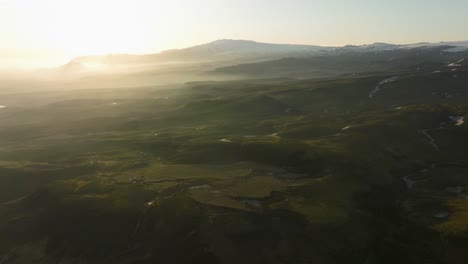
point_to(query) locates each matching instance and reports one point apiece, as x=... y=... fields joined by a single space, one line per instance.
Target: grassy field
x=259 y=171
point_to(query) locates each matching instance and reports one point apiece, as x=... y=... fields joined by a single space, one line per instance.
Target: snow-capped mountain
x=456 y=46
x=228 y=49
x=231 y=52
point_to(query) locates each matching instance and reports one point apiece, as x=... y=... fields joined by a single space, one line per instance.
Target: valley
x=338 y=167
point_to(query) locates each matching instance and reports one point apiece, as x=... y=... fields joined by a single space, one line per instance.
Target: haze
x=51 y=32
x=233 y=131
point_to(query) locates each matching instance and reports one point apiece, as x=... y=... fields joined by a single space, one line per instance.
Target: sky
x=47 y=32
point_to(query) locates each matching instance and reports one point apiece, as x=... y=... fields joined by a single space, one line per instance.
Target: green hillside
x=328 y=170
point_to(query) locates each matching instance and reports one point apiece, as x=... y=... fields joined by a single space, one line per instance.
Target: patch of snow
x=275 y=135
x=225 y=140
x=457 y=49
x=454 y=190
x=432 y=142
x=436 y=72
x=205 y=186
x=380 y=84
x=456 y=63
x=155 y=134
x=458 y=46
x=442 y=215
x=346 y=128
x=458 y=120
x=409 y=182
x=137 y=180
x=2 y=106
x=151 y=203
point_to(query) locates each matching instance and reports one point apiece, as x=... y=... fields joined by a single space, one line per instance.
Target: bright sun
x=89 y=27
x=101 y=27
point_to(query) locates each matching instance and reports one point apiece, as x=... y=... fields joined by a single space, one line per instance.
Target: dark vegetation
x=258 y=171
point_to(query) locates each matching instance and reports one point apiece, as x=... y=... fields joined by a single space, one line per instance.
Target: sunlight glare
x=98 y=27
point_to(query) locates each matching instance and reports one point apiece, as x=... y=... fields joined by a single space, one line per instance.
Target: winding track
x=432 y=141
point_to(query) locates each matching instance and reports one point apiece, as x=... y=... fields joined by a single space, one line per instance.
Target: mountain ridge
x=239 y=47
x=223 y=53
x=216 y=50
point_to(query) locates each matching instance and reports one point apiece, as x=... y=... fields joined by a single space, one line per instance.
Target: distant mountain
x=233 y=49
x=228 y=52
x=353 y=60
x=73 y=66
x=460 y=46
x=225 y=49
x=456 y=46
x=228 y=49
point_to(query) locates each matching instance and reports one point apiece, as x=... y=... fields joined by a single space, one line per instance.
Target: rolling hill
x=359 y=158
